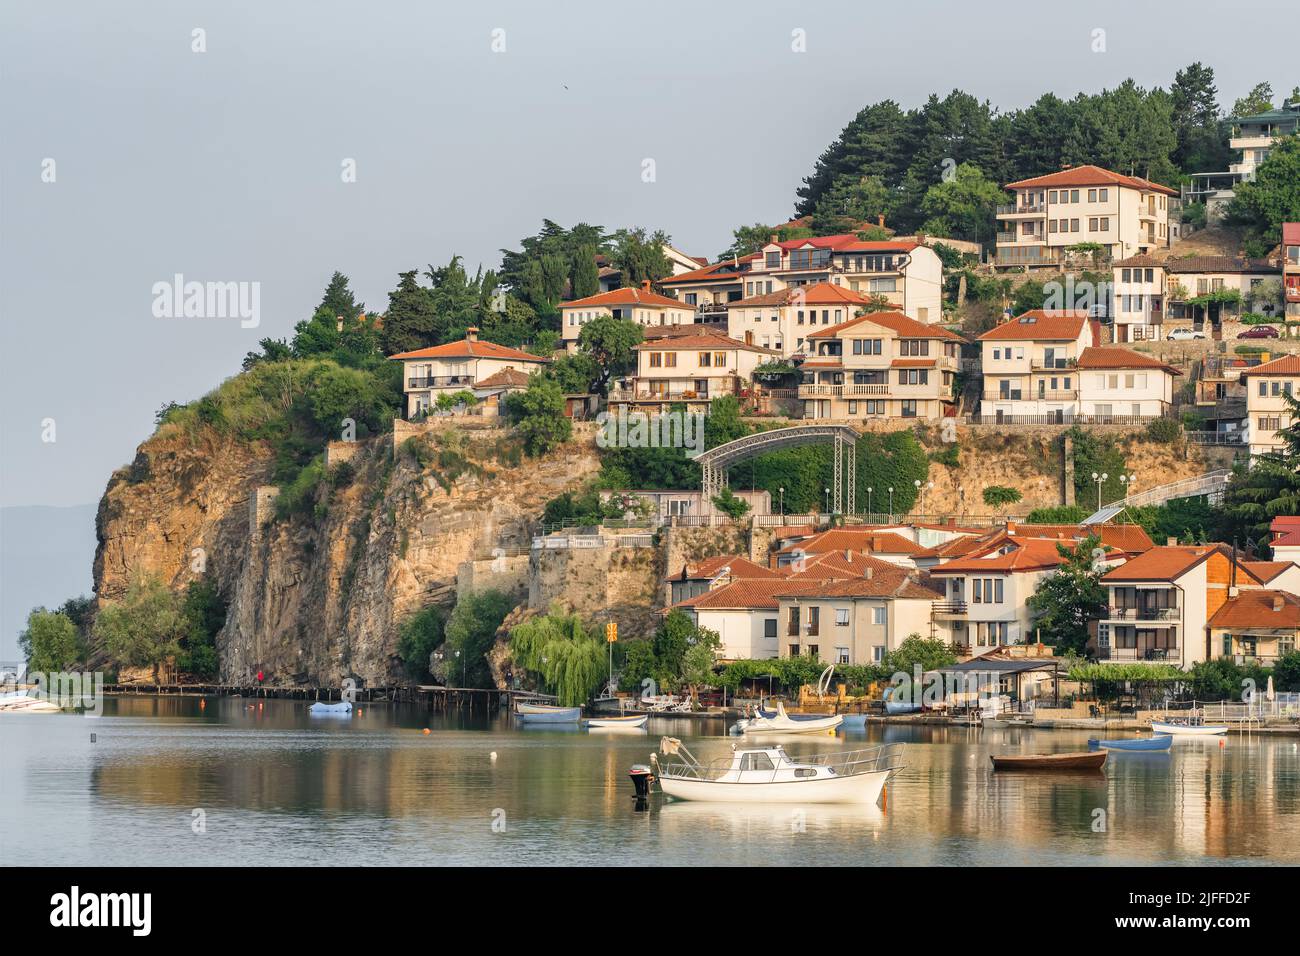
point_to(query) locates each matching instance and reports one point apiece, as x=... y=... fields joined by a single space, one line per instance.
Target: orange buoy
x=426 y=731
x=1221 y=741
x=884 y=798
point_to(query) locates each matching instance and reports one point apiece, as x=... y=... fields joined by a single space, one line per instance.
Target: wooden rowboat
x=1135 y=743
x=1081 y=760
x=634 y=722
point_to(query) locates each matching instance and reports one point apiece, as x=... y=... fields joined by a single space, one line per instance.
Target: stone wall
x=507 y=573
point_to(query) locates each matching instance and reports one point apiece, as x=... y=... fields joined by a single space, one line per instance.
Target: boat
x=773 y=714
x=854 y=721
x=634 y=722
x=21 y=702
x=893 y=707
x=1187 y=728
x=1081 y=760
x=321 y=709
x=770 y=775
x=783 y=723
x=1135 y=743
x=547 y=714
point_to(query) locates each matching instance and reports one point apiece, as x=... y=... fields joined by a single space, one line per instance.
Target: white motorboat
x=1189 y=728
x=770 y=775
x=783 y=723
x=21 y=702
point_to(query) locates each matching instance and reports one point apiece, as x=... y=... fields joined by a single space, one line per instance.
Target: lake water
x=277 y=786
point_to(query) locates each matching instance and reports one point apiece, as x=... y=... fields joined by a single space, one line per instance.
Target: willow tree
x=557 y=648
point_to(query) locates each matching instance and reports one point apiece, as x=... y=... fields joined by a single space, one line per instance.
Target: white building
x=1121 y=384
x=642 y=306
x=1029 y=366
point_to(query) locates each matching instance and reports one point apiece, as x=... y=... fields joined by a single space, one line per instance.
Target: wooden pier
x=431 y=696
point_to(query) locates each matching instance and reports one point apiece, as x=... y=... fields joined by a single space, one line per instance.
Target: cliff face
x=319 y=599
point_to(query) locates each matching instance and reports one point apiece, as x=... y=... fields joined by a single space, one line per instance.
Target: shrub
x=418 y=636
x=995 y=496
x=1165 y=430
x=730 y=505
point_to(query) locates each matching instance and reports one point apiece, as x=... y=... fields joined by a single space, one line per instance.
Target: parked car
x=1258 y=332
x=1184 y=335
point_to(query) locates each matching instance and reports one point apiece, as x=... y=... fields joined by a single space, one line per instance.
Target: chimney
x=773 y=238
x=338 y=323
x=645 y=285
x=848 y=555
x=1171 y=541
x=471 y=334
x=1011 y=527
x=1277 y=602
x=868 y=572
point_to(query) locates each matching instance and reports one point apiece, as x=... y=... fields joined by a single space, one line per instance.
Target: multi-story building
x=856 y=620
x=1267 y=411
x=459 y=366
x=642 y=306
x=691 y=369
x=611 y=278
x=1291 y=268
x=783 y=320
x=1120 y=384
x=1251 y=137
x=880 y=365
x=1255 y=627
x=1124 y=215
x=709 y=290
x=1149 y=294
x=1029 y=365
x=1160 y=603
x=1138 y=299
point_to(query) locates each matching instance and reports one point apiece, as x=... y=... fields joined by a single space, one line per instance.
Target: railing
x=1057 y=365
x=846 y=764
x=1110 y=653
x=641 y=395
x=948 y=607
x=1143 y=614
x=1215 y=438
x=1210 y=483
x=1063 y=419
x=1043 y=396
x=439 y=381
x=839 y=391
x=1019 y=210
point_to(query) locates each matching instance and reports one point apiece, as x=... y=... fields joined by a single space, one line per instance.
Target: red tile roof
x=703 y=340
x=1039 y=325
x=1130 y=538
x=1020 y=554
x=1286 y=530
x=467 y=348
x=716 y=273
x=1090 y=176
x=506 y=378
x=1287 y=365
x=823 y=293
x=627 y=297
x=855 y=539
x=1115 y=357
x=1265 y=571
x=904 y=325
x=1291 y=233
x=838 y=564
x=1259 y=607
x=893 y=582
x=746 y=594
x=739 y=566
x=1163 y=563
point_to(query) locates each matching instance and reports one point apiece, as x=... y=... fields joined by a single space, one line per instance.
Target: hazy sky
x=225 y=165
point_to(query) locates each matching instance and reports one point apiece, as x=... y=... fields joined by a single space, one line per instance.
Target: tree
x=672 y=639
x=640 y=256
x=574 y=372
x=468 y=635
x=145 y=627
x=418 y=637
x=538 y=415
x=338 y=393
x=1270 y=199
x=700 y=659
x=1268 y=488
x=1195 y=107
x=541 y=284
x=850 y=202
x=1071 y=596
x=612 y=343
x=50 y=643
x=204 y=611
x=585 y=276
x=558 y=648
x=966 y=204
x=731 y=506
x=410 y=322
x=1258 y=100
x=917 y=650
x=996 y=496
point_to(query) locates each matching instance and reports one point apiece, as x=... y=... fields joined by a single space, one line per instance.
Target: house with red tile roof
x=1124 y=215
x=1284 y=531
x=472 y=365
x=691 y=370
x=642 y=306
x=1291 y=269
x=1267 y=388
x=699 y=577
x=1118 y=382
x=880 y=365
x=1152 y=296
x=782 y=320
x=1256 y=627
x=1029 y=366
x=887 y=546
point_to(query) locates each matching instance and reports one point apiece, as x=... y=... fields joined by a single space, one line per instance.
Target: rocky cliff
x=318 y=598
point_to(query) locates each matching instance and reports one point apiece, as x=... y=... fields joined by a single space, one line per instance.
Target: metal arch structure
x=715 y=462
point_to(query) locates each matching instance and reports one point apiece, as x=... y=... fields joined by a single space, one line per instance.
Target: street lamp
x=891 y=504
x=922 y=490
x=1127 y=481
x=828 y=501
x=869 y=499
x=782 y=491
x=1100 y=480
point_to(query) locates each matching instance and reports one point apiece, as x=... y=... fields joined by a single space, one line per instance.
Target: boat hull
x=1084 y=760
x=823 y=725
x=1141 y=744
x=859 y=788
x=548 y=715
x=321 y=709
x=633 y=722
x=1187 y=730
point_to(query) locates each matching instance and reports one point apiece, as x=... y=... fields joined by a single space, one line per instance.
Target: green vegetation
x=51 y=642
x=1071 y=596
x=1270 y=487
x=996 y=496
x=468 y=636
x=1061 y=514
x=788 y=674
x=418 y=637
x=915 y=651
x=145 y=628
x=204 y=612
x=1164 y=430
x=538 y=415
x=559 y=652
x=611 y=344
x=1262 y=204
x=731 y=506
x=1099 y=454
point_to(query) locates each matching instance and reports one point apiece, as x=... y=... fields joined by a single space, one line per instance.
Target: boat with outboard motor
x=1139 y=744
x=783 y=723
x=770 y=775
x=1187 y=728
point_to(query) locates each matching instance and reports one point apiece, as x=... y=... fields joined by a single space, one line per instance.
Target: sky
x=467 y=124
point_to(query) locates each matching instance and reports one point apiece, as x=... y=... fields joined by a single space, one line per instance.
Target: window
x=800 y=315
x=814 y=621
x=706 y=359
x=1051 y=225
x=841 y=655
x=1092 y=195
x=792 y=625
x=1105 y=227
x=908 y=408
x=878 y=653
x=913 y=346
x=794 y=650
x=878 y=616
x=756 y=761
x=875 y=407
x=1074 y=197
x=1051 y=195
x=1092 y=223
x=772 y=260
x=656 y=359
x=1105 y=195
x=670 y=359
x=841 y=617
x=853 y=408
x=719 y=359
x=1074 y=223
x=769 y=629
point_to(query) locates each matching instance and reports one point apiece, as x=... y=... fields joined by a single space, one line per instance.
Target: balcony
x=440 y=381
x=947 y=610
x=842 y=391
x=1022 y=209
x=1108 y=652
x=669 y=395
x=1052 y=365
x=1032 y=396
x=1156 y=614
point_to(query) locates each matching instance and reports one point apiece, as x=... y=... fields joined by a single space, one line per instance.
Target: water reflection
x=280 y=786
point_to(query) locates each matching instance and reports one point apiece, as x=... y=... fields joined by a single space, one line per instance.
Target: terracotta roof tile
x=1287 y=365
x=823 y=293
x=1040 y=325
x=470 y=349
x=703 y=340
x=1089 y=176
x=508 y=377
x=1259 y=607
x=855 y=539
x=1265 y=571
x=1163 y=562
x=747 y=593
x=740 y=567
x=1115 y=357
x=1012 y=553
x=904 y=325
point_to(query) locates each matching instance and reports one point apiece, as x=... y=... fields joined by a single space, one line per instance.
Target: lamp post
x=891 y=504
x=1127 y=481
x=961 y=500
x=782 y=492
x=922 y=489
x=869 y=499
x=828 y=501
x=1100 y=480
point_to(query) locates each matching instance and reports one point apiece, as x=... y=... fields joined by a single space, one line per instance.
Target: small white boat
x=546 y=714
x=1190 y=728
x=783 y=723
x=342 y=708
x=635 y=721
x=769 y=775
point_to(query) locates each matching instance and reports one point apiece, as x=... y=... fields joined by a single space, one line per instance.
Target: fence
x=558 y=542
x=1215 y=438
x=1063 y=419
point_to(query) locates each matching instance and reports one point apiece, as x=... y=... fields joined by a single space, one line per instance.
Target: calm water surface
x=277 y=786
